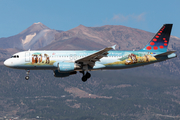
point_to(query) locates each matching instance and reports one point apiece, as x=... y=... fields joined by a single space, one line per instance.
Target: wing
x=92 y=58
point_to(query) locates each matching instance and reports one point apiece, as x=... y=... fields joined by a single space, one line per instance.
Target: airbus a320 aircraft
x=66 y=63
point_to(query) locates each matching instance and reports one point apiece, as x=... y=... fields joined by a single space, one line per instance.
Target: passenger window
x=17 y=56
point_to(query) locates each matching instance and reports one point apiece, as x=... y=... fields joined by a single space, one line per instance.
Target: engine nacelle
x=57 y=74
x=66 y=67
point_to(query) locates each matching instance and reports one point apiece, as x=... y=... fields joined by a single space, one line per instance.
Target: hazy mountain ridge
x=34 y=37
x=38 y=36
x=124 y=37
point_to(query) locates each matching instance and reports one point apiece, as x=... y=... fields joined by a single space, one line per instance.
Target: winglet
x=113 y=47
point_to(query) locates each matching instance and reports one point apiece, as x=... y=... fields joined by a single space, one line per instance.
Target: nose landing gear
x=27 y=77
x=27 y=73
x=86 y=76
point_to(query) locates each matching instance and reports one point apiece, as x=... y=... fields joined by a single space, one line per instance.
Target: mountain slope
x=34 y=37
x=125 y=38
x=120 y=94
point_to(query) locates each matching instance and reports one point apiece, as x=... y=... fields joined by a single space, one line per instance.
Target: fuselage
x=48 y=60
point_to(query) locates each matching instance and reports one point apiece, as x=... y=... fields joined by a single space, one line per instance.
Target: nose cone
x=7 y=63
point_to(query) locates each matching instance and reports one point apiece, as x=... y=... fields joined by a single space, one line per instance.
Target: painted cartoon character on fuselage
x=131 y=59
x=36 y=58
x=47 y=58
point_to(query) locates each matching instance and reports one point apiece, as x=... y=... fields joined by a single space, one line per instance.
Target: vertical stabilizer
x=159 y=42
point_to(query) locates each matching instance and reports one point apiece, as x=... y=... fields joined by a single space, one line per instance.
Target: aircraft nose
x=6 y=63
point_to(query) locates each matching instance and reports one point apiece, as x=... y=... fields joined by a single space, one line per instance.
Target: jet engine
x=67 y=67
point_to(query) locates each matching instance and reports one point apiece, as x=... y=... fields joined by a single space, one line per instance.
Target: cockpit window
x=15 y=56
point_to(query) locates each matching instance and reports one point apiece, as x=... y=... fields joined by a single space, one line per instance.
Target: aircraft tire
x=27 y=77
x=84 y=78
x=88 y=75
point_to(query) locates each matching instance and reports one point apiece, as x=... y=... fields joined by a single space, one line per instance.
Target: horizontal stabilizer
x=165 y=54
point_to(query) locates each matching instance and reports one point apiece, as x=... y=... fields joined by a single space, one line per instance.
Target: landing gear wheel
x=27 y=77
x=27 y=73
x=88 y=75
x=84 y=78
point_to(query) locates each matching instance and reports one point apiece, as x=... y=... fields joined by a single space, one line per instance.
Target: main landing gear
x=86 y=76
x=27 y=73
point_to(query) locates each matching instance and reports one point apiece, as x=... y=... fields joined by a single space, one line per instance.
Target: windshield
x=15 y=56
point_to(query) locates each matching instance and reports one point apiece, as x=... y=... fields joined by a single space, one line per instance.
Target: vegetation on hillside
x=129 y=95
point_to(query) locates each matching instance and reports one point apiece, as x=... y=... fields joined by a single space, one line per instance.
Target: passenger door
x=27 y=56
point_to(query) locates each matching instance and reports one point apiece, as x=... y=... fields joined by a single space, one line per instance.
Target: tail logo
x=160 y=40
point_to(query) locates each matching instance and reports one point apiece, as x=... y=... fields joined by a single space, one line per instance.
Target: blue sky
x=148 y=15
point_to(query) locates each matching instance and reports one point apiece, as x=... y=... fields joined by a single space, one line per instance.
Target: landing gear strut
x=86 y=76
x=27 y=73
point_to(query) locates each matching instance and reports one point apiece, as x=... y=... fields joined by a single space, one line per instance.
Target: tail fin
x=159 y=42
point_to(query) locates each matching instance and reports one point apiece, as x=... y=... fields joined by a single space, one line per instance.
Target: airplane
x=66 y=63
